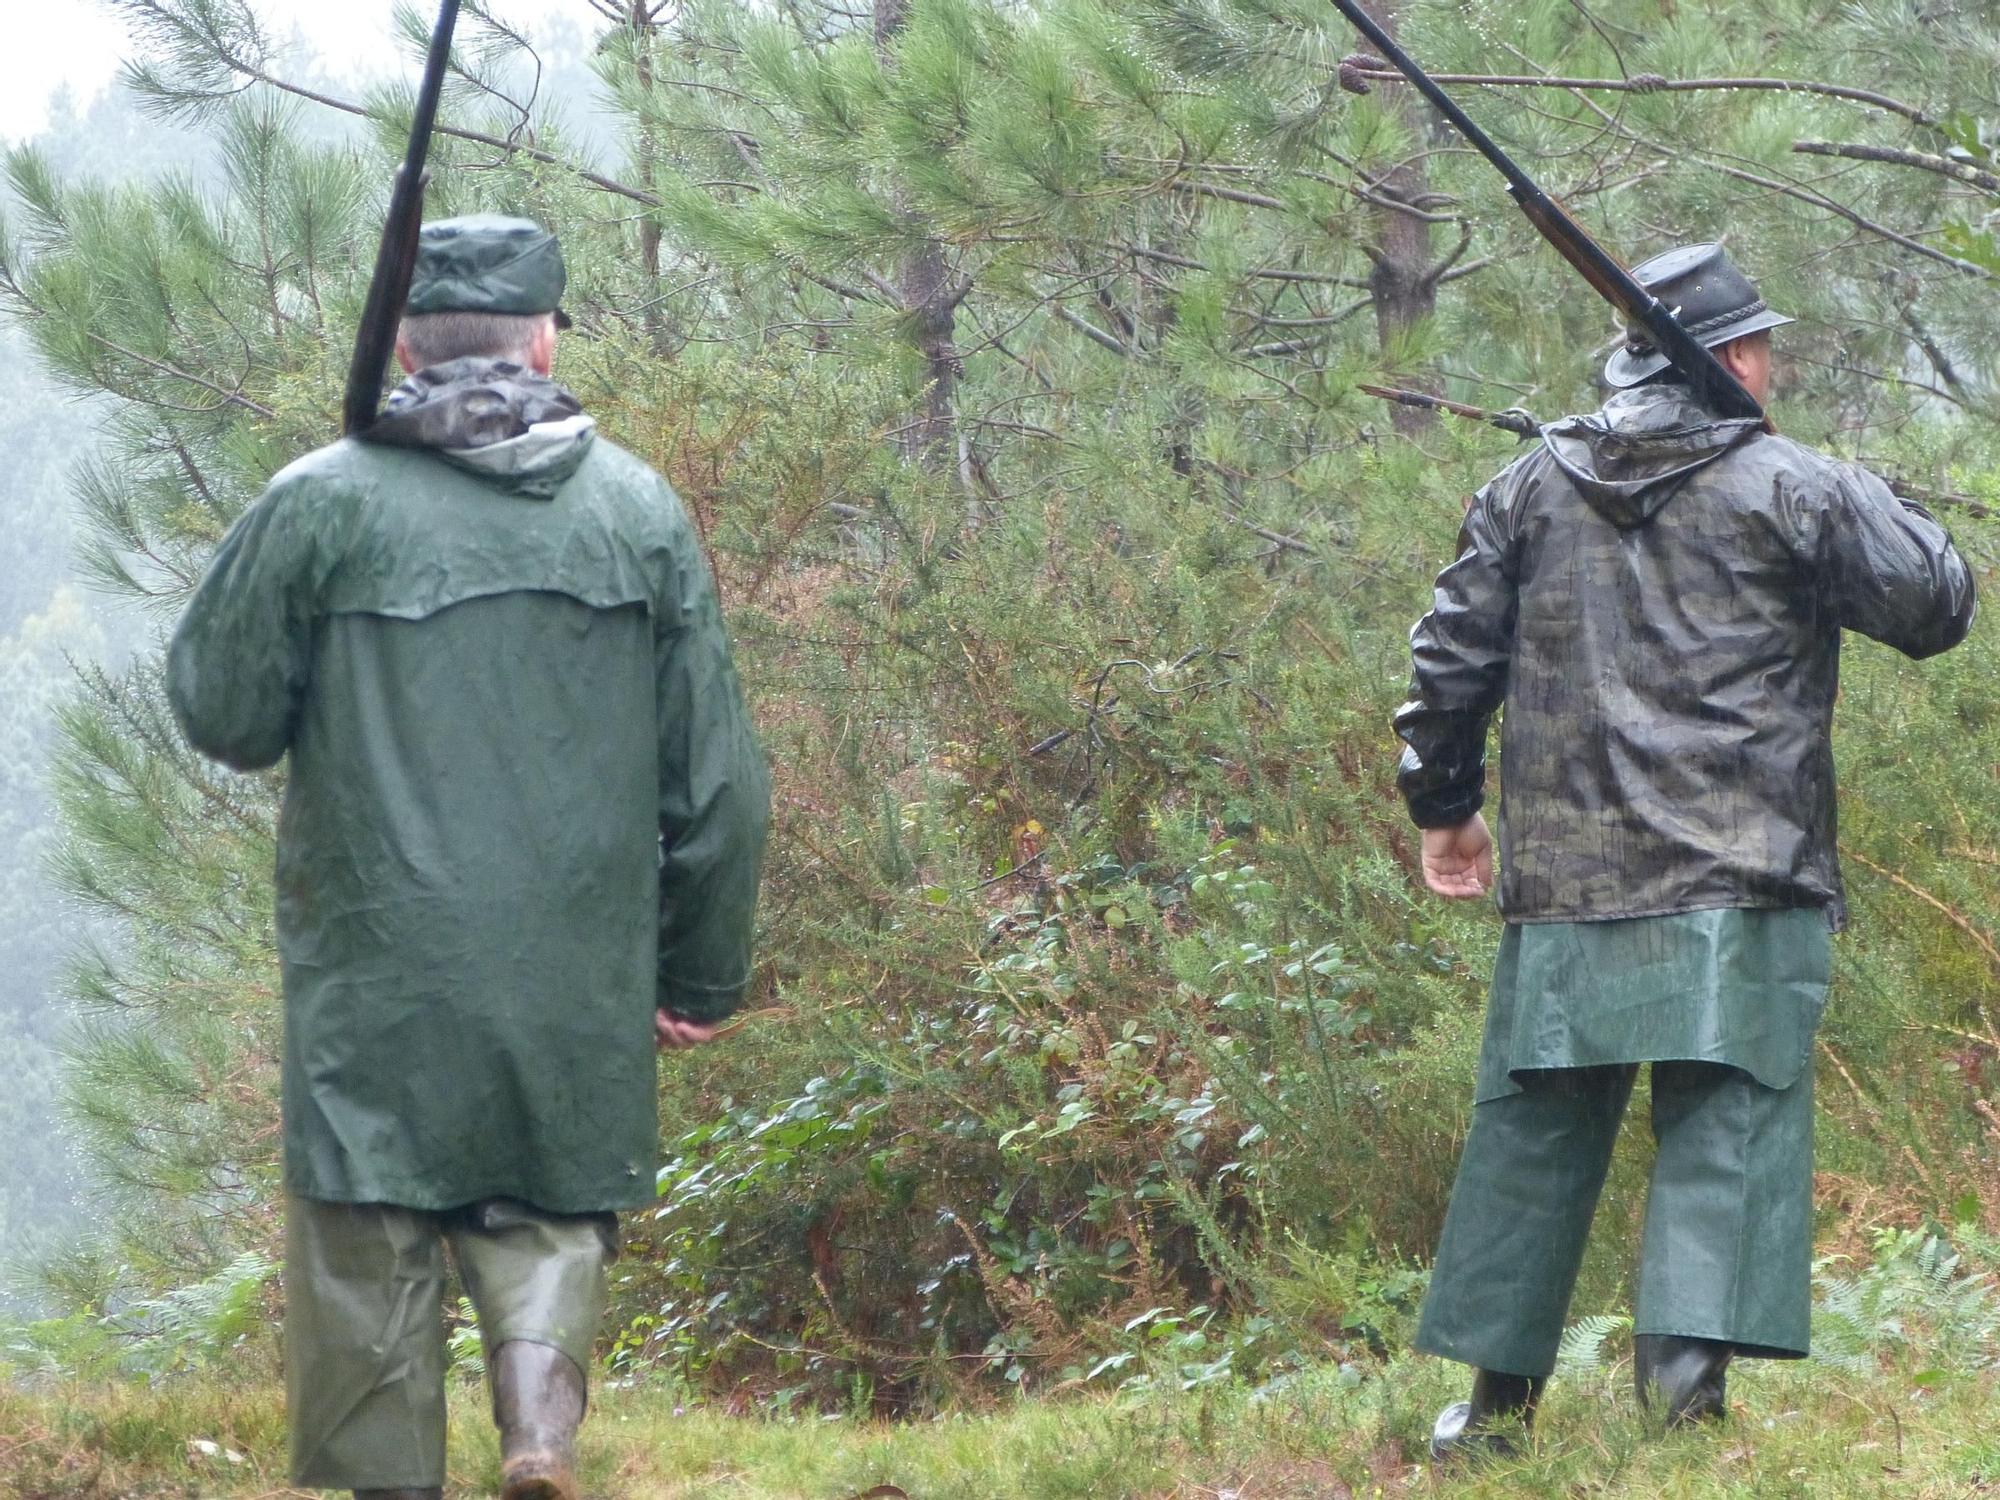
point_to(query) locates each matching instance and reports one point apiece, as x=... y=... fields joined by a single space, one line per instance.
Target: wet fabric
x=486 y=263
x=524 y=805
x=1727 y=1249
x=1713 y=300
x=1732 y=986
x=490 y=417
x=1658 y=595
x=364 y=1323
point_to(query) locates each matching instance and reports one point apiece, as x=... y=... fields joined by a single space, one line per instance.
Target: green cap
x=486 y=263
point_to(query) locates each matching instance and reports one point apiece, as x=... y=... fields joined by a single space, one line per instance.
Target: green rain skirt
x=1724 y=1005
x=364 y=1322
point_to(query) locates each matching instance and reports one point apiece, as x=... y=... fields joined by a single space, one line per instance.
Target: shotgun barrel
x=396 y=256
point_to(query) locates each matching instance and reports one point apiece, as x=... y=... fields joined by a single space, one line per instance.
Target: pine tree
x=1100 y=279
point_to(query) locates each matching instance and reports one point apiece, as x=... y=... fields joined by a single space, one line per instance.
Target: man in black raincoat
x=519 y=847
x=1657 y=594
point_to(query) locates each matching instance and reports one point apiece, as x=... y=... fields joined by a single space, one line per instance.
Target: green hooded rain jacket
x=525 y=802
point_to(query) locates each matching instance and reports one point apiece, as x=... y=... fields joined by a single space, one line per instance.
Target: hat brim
x=1626 y=369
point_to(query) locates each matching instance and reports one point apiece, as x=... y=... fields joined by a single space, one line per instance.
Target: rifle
x=1513 y=419
x=396 y=256
x=1713 y=385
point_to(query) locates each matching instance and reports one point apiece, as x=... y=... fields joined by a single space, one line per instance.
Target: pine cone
x=1354 y=66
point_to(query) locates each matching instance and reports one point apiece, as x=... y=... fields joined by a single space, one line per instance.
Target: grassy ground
x=1796 y=1430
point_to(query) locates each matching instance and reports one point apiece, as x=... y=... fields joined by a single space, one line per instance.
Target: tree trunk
x=647 y=159
x=923 y=291
x=1401 y=283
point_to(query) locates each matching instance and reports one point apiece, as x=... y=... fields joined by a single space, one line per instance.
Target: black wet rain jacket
x=1657 y=595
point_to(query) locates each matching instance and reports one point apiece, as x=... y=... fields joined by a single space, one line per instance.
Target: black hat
x=487 y=263
x=1702 y=287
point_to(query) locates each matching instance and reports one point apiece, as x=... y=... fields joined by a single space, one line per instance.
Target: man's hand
x=671 y=1034
x=1458 y=861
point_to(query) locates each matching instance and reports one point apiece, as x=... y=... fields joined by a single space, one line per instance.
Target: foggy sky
x=79 y=44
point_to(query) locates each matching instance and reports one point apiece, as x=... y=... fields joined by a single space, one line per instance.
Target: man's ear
x=1739 y=356
x=542 y=352
x=403 y=356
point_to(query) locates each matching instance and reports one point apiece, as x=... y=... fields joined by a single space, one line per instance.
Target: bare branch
x=1923 y=161
x=229 y=397
x=1820 y=200
x=1653 y=83
x=1091 y=331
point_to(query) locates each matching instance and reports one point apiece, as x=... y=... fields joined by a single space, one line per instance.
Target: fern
x=465 y=1346
x=194 y=1324
x=1916 y=1290
x=1582 y=1348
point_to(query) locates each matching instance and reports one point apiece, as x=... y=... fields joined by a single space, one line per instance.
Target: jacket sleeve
x=241 y=655
x=1461 y=652
x=1890 y=570
x=715 y=803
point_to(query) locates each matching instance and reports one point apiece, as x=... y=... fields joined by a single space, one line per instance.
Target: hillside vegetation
x=1102 y=1046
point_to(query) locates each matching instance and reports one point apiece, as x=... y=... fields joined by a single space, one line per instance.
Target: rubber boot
x=436 y=1492
x=538 y=1395
x=1465 y=1428
x=1681 y=1378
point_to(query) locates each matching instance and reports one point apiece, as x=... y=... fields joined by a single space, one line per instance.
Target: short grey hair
x=435 y=338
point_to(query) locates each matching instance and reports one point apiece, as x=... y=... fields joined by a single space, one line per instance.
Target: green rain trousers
x=1727 y=1250
x=364 y=1323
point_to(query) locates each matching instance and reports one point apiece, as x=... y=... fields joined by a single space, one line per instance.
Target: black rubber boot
x=1499 y=1401
x=538 y=1396
x=436 y=1492
x=1681 y=1379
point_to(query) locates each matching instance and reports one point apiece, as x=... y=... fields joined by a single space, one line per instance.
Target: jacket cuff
x=702 y=1004
x=1446 y=807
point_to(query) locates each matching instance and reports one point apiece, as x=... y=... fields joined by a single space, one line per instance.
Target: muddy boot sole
x=533 y=1477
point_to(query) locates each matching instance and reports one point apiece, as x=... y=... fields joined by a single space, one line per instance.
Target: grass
x=1795 y=1430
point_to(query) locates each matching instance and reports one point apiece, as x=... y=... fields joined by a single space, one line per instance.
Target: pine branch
x=1859 y=221
x=1231 y=195
x=17 y=293
x=1358 y=70
x=1262 y=273
x=1092 y=332
x=1712 y=160
x=1940 y=361
x=512 y=148
x=1950 y=913
x=229 y=397
x=214 y=46
x=1923 y=161
x=1300 y=346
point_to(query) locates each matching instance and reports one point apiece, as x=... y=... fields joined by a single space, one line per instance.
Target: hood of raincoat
x=1632 y=457
x=493 y=418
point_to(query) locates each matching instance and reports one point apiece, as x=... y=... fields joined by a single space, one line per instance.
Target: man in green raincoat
x=1657 y=594
x=519 y=849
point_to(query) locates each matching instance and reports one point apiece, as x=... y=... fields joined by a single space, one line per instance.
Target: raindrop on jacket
x=1658 y=596
x=525 y=803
